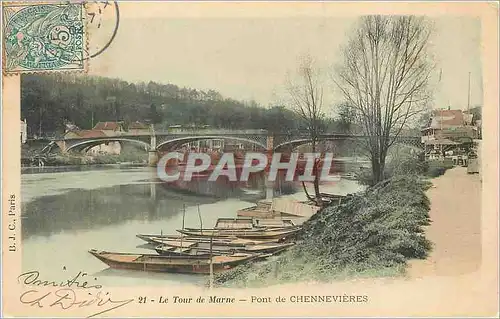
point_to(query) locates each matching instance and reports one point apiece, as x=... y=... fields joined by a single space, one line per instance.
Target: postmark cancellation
x=44 y=37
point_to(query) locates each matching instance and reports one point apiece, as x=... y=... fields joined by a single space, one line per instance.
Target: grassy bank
x=373 y=233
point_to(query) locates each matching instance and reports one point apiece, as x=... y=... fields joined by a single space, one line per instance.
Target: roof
x=138 y=125
x=88 y=133
x=447 y=118
x=107 y=126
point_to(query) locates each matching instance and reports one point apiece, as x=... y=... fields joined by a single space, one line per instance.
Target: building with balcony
x=450 y=134
x=454 y=125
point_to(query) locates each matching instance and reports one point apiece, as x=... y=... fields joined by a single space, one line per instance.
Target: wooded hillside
x=49 y=101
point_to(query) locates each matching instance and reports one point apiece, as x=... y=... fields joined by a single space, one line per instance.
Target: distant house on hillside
x=138 y=128
x=84 y=134
x=110 y=128
x=175 y=128
x=188 y=127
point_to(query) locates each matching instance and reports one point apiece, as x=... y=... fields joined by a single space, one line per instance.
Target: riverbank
x=85 y=160
x=31 y=156
x=38 y=169
x=371 y=234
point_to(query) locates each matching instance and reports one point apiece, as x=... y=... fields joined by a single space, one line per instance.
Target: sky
x=247 y=57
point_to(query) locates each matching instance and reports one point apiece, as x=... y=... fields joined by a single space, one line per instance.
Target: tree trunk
x=305 y=191
x=319 y=201
x=40 y=124
x=316 y=173
x=378 y=167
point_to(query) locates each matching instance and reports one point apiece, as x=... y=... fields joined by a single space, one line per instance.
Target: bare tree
x=384 y=77
x=345 y=118
x=306 y=100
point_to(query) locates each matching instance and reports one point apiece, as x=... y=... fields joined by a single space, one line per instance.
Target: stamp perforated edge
x=86 y=40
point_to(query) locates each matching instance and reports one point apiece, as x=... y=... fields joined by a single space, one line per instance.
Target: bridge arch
x=409 y=142
x=293 y=144
x=298 y=142
x=172 y=144
x=94 y=142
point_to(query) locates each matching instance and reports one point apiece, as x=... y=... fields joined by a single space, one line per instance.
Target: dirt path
x=456 y=226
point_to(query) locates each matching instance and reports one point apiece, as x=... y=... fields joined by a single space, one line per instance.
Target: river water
x=67 y=211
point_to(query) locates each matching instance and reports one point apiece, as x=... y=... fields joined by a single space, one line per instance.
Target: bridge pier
x=153 y=157
x=269 y=153
x=269 y=190
x=152 y=191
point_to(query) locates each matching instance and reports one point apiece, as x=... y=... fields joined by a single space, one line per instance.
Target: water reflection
x=77 y=168
x=88 y=209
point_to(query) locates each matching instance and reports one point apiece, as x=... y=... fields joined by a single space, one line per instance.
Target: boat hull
x=278 y=234
x=197 y=250
x=169 y=264
x=188 y=240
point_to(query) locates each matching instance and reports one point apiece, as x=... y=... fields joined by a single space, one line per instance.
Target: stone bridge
x=163 y=141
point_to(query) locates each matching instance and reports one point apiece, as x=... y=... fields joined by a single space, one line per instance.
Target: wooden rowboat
x=157 y=239
x=172 y=264
x=251 y=223
x=232 y=245
x=187 y=241
x=197 y=249
x=275 y=233
x=164 y=250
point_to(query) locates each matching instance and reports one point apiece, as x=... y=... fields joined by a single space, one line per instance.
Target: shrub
x=66 y=159
x=408 y=163
x=403 y=161
x=365 y=177
x=437 y=168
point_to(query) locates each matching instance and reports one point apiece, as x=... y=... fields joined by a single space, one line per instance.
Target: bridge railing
x=190 y=132
x=220 y=132
x=211 y=132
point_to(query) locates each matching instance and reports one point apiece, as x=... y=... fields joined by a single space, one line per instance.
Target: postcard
x=249 y=159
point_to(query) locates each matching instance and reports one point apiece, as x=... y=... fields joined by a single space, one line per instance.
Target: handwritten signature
x=31 y=278
x=65 y=297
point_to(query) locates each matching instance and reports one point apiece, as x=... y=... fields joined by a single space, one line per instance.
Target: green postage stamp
x=43 y=37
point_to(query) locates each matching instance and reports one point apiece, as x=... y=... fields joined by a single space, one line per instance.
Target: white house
x=24 y=131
